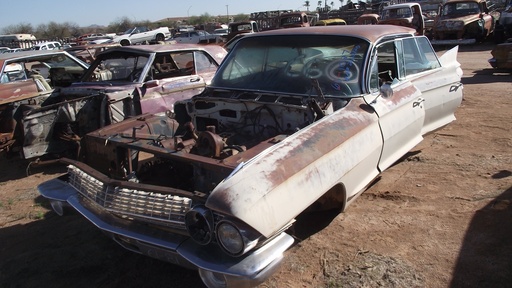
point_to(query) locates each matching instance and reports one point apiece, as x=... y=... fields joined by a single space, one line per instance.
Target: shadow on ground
x=485 y=258
x=70 y=252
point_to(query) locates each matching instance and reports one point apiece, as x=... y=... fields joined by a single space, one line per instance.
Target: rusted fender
x=17 y=91
x=279 y=183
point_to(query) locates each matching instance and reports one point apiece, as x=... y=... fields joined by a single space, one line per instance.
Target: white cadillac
x=293 y=120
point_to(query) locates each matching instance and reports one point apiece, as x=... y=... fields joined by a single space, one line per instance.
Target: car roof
x=401 y=5
x=28 y=53
x=165 y=47
x=371 y=33
x=215 y=50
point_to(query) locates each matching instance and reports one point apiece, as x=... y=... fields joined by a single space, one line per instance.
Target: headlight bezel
x=200 y=224
x=234 y=237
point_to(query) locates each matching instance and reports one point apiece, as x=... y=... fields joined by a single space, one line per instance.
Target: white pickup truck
x=137 y=35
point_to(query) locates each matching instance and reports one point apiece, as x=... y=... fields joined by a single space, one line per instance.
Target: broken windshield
x=119 y=67
x=295 y=64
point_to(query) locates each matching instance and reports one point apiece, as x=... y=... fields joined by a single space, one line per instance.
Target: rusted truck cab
x=404 y=14
x=297 y=19
x=463 y=22
x=242 y=27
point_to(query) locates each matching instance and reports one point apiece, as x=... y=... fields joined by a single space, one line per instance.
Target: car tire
x=125 y=42
x=160 y=38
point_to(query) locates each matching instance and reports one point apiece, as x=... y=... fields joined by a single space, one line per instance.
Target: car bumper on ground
x=246 y=271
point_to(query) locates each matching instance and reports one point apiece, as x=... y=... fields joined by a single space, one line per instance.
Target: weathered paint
x=294 y=173
x=463 y=29
x=17 y=91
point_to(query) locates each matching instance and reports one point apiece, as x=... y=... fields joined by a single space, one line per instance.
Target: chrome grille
x=163 y=209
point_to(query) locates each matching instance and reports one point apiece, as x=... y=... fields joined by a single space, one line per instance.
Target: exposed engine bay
x=205 y=139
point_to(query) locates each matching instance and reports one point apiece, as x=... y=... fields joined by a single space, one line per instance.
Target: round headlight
x=230 y=238
x=199 y=223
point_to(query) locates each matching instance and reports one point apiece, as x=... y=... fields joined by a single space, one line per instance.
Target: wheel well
x=124 y=42
x=319 y=214
x=334 y=198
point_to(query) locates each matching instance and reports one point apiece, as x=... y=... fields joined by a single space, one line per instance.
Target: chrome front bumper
x=246 y=271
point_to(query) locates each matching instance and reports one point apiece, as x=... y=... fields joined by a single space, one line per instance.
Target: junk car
x=404 y=14
x=27 y=78
x=121 y=82
x=294 y=120
x=502 y=56
x=463 y=22
x=139 y=35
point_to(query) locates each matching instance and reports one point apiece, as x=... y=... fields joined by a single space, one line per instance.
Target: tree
x=22 y=28
x=55 y=30
x=120 y=25
x=306 y=4
x=240 y=17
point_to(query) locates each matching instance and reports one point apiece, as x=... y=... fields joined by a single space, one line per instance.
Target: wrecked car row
x=294 y=120
x=27 y=79
x=75 y=98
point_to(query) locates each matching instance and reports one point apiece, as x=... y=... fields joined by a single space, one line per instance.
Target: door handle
x=195 y=79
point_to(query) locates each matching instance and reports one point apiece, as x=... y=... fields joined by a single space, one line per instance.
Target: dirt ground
x=441 y=217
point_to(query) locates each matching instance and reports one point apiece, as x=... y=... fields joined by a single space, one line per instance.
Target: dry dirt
x=441 y=217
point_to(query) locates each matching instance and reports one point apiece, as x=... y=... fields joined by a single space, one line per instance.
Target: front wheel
x=125 y=42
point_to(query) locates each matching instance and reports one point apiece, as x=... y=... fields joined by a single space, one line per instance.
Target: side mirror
x=386 y=91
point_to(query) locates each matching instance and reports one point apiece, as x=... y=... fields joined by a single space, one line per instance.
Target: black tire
x=160 y=38
x=125 y=42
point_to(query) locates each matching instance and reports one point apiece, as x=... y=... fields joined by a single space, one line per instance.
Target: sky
x=103 y=12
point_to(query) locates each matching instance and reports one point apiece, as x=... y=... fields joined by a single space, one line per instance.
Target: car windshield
x=397 y=13
x=130 y=31
x=20 y=69
x=118 y=67
x=295 y=64
x=460 y=8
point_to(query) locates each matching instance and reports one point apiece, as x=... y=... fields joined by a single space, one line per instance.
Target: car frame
x=121 y=82
x=35 y=80
x=463 y=22
x=501 y=56
x=140 y=35
x=295 y=120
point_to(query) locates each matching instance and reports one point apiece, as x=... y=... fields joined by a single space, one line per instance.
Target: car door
x=397 y=102
x=182 y=82
x=146 y=34
x=137 y=36
x=437 y=78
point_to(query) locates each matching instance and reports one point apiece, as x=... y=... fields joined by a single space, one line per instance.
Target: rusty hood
x=447 y=22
